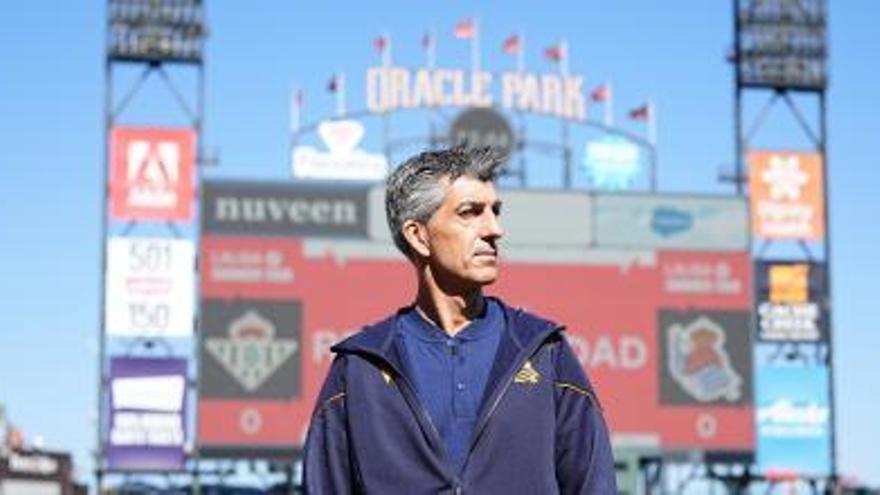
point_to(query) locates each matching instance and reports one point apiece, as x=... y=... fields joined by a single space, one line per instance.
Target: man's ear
x=416 y=235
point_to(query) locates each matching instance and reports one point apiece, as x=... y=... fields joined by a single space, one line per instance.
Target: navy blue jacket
x=540 y=429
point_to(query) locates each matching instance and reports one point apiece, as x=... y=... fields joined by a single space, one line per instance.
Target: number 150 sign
x=149 y=289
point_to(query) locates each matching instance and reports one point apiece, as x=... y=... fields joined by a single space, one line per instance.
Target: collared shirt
x=450 y=373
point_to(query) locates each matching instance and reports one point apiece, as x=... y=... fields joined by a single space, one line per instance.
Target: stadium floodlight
x=155 y=31
x=782 y=44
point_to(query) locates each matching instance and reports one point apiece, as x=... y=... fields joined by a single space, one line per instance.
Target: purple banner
x=147 y=414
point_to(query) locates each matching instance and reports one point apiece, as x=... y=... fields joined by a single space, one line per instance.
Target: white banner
x=149 y=287
x=670 y=222
x=343 y=160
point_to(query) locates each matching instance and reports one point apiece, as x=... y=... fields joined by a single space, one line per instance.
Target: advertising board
x=152 y=173
x=147 y=414
x=149 y=287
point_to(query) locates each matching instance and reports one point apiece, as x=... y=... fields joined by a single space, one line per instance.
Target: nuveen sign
x=271 y=209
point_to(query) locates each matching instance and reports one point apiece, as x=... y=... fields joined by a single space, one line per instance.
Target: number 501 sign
x=149 y=289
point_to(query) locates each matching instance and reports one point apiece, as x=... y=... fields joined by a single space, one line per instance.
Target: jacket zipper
x=508 y=379
x=416 y=405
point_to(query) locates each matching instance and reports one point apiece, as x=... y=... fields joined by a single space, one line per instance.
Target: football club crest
x=699 y=362
x=251 y=354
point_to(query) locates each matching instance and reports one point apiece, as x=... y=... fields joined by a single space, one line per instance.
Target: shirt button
x=459 y=386
x=450 y=343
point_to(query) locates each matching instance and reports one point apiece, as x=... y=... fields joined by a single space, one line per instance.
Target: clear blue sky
x=51 y=93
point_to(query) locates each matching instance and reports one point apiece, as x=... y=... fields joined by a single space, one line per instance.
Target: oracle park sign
x=490 y=108
x=556 y=95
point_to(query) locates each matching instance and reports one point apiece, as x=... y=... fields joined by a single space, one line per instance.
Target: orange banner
x=786 y=195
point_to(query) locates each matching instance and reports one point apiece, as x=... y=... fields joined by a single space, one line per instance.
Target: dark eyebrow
x=496 y=205
x=470 y=203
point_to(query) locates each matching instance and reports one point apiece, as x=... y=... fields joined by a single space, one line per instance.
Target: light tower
x=149 y=184
x=780 y=59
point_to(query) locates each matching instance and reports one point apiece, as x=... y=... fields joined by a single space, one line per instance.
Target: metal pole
x=200 y=131
x=200 y=126
x=653 y=151
x=738 y=175
x=523 y=177
x=737 y=104
x=386 y=138
x=823 y=149
x=566 y=156
x=102 y=248
x=475 y=48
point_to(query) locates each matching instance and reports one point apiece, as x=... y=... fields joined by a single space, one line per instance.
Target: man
x=457 y=393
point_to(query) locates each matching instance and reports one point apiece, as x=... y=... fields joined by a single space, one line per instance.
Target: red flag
x=554 y=53
x=333 y=85
x=380 y=44
x=14 y=438
x=640 y=113
x=511 y=45
x=465 y=29
x=600 y=93
x=427 y=40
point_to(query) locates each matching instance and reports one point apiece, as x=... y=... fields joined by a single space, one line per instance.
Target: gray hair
x=414 y=191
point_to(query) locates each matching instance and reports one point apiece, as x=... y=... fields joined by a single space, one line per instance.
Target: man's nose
x=492 y=226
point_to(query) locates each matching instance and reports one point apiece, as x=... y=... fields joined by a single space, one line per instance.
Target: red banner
x=664 y=336
x=612 y=313
x=151 y=173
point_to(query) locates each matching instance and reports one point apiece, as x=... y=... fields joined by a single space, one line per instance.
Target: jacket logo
x=386 y=376
x=527 y=374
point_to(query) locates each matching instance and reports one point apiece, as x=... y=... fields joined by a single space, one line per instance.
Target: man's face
x=463 y=233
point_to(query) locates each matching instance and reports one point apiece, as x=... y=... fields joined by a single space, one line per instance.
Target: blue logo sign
x=668 y=221
x=793 y=420
x=612 y=163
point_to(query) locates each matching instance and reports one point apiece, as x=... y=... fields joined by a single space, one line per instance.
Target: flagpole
x=609 y=105
x=563 y=69
x=652 y=138
x=294 y=122
x=340 y=95
x=475 y=48
x=563 y=63
x=386 y=123
x=521 y=53
x=386 y=52
x=430 y=49
x=294 y=111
